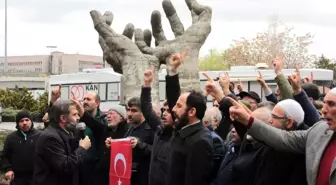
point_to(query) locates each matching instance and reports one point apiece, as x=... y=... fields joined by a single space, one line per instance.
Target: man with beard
x=141 y=135
x=19 y=150
x=92 y=116
x=191 y=151
x=58 y=156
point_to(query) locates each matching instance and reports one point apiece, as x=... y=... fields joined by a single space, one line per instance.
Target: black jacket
x=141 y=153
x=190 y=156
x=18 y=154
x=57 y=158
x=158 y=163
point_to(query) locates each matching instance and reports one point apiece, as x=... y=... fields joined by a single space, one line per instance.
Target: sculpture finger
x=204 y=13
x=174 y=20
x=157 y=29
x=108 y=17
x=129 y=30
x=147 y=37
x=140 y=42
x=100 y=25
x=194 y=16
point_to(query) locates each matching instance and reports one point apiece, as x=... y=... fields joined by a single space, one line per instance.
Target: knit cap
x=22 y=114
x=120 y=110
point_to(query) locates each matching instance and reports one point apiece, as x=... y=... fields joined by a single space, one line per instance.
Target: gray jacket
x=312 y=142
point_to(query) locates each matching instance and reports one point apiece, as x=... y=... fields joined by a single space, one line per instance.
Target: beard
x=71 y=127
x=182 y=121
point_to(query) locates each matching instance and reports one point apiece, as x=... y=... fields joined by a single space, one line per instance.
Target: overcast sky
x=35 y=24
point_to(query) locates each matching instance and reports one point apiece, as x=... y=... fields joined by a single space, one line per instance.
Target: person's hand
x=309 y=79
x=79 y=106
x=55 y=93
x=261 y=79
x=295 y=81
x=45 y=118
x=176 y=60
x=85 y=143
x=239 y=112
x=9 y=176
x=108 y=142
x=278 y=64
x=224 y=82
x=134 y=141
x=211 y=88
x=240 y=86
x=148 y=76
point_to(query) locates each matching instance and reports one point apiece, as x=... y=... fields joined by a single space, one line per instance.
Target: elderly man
x=211 y=119
x=318 y=143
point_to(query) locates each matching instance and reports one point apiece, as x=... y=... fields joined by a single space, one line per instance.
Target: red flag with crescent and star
x=121 y=162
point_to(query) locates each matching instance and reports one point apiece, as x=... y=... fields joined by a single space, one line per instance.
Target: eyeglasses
x=279 y=117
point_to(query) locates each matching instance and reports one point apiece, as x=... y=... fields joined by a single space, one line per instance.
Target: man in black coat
x=58 y=155
x=19 y=149
x=191 y=150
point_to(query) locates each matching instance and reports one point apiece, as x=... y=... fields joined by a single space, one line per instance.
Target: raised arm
x=173 y=88
x=293 y=141
x=146 y=100
x=286 y=90
x=312 y=116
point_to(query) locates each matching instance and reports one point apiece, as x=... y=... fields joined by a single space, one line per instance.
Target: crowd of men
x=287 y=140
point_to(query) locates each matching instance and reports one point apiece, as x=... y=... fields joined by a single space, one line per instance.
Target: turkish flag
x=121 y=162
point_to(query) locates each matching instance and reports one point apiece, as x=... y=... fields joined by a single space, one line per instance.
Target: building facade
x=55 y=63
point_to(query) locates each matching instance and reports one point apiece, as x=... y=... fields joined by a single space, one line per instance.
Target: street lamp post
x=5 y=63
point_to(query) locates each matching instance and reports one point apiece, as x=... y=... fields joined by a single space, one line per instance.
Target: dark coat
x=98 y=170
x=225 y=171
x=141 y=153
x=218 y=155
x=18 y=155
x=158 y=163
x=57 y=158
x=190 y=156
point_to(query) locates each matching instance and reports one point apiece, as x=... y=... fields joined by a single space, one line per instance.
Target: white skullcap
x=292 y=109
x=333 y=91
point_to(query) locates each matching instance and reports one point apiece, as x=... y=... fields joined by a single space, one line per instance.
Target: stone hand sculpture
x=132 y=59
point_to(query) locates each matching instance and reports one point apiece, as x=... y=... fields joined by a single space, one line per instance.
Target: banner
x=121 y=162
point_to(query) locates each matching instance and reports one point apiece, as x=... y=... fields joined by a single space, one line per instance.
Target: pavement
x=11 y=125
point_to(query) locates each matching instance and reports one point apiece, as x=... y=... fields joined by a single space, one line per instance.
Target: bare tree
x=275 y=41
x=132 y=59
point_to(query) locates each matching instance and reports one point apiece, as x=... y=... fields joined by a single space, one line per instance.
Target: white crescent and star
x=121 y=157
